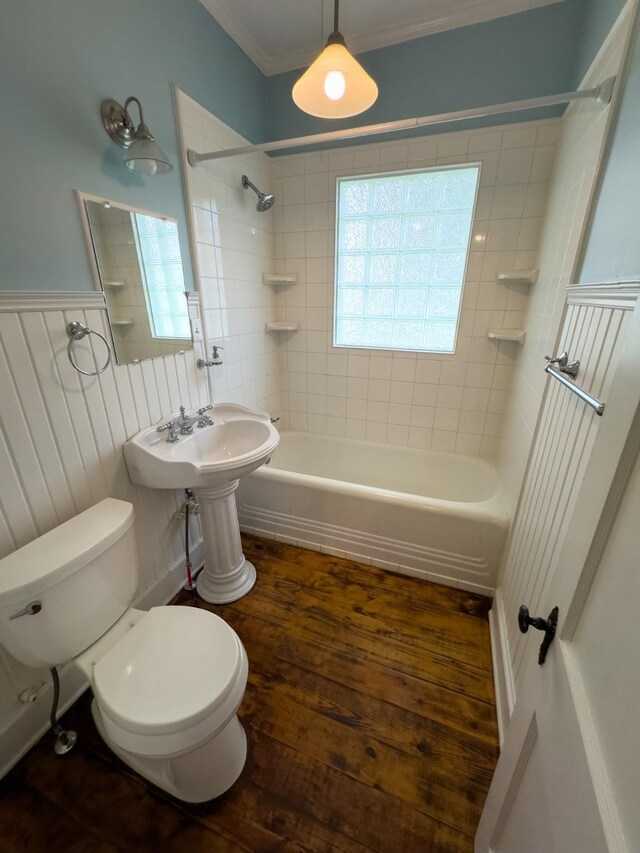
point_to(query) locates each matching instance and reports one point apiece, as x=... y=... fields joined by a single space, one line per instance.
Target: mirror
x=139 y=268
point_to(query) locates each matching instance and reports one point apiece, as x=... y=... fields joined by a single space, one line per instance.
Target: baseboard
x=502 y=674
x=30 y=722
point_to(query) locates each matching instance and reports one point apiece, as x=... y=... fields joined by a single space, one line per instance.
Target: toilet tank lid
x=54 y=556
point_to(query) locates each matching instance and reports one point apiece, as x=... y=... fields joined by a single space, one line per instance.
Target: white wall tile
x=516 y=166
x=235 y=245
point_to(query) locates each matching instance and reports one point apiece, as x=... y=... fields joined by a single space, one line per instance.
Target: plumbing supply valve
x=194 y=507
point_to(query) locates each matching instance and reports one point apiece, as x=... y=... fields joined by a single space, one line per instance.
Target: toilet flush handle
x=30 y=610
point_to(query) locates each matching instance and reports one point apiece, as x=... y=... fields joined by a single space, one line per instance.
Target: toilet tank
x=61 y=592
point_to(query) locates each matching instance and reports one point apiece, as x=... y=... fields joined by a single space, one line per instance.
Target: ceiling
x=280 y=35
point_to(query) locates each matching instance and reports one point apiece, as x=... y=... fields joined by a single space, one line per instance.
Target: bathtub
x=438 y=516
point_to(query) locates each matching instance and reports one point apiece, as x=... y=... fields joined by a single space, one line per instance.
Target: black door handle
x=547 y=625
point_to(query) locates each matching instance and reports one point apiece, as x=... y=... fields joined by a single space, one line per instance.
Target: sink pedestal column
x=226 y=575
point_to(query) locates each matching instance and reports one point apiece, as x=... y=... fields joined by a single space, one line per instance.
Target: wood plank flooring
x=369 y=714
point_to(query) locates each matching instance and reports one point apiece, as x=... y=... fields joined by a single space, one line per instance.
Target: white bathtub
x=432 y=515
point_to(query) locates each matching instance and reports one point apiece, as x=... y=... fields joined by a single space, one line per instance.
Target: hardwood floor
x=369 y=713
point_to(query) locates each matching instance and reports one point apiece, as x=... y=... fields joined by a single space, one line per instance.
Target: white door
x=568 y=778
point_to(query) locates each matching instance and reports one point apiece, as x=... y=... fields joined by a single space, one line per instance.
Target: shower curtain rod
x=601 y=93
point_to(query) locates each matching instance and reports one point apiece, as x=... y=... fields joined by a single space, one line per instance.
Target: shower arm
x=247 y=183
x=601 y=93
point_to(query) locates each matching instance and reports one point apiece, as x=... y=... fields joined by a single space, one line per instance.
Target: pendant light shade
x=335 y=85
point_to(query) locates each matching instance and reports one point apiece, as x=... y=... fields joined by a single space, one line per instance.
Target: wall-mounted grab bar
x=596 y=405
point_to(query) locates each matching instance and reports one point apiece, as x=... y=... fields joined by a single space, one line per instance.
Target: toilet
x=167 y=682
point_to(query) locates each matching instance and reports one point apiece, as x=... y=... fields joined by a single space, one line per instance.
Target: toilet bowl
x=166 y=695
x=167 y=682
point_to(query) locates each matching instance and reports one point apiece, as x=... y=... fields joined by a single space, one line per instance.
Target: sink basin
x=210 y=460
x=239 y=442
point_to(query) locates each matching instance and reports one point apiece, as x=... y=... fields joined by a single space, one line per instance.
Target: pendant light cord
x=336 y=36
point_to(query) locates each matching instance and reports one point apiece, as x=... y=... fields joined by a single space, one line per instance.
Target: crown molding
x=472 y=12
x=239 y=33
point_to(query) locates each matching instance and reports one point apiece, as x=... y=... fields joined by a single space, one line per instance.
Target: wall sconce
x=143 y=154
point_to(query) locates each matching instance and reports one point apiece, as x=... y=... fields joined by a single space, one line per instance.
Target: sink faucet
x=184 y=423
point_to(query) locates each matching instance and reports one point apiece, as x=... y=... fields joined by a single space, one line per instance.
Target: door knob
x=525 y=621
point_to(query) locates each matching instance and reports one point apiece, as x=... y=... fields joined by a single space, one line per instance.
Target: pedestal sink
x=210 y=461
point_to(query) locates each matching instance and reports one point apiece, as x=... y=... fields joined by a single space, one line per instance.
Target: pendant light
x=335 y=85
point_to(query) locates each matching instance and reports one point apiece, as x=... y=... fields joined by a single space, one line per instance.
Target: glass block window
x=158 y=246
x=401 y=253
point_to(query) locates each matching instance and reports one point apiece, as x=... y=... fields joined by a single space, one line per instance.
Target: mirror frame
x=190 y=295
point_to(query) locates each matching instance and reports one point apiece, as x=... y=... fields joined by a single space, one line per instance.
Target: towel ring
x=76 y=331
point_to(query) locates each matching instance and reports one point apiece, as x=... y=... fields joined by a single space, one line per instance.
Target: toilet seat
x=170 y=682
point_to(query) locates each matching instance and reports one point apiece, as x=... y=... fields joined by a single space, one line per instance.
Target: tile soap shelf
x=282 y=326
x=518 y=276
x=279 y=278
x=515 y=335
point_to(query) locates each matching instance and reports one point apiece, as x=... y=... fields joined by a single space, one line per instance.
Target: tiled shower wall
x=233 y=247
x=446 y=402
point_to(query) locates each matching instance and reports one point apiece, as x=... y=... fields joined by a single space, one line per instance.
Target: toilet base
x=202 y=774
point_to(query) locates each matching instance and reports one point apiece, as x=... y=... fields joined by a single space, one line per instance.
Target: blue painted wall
x=597 y=19
x=613 y=246
x=520 y=56
x=58 y=60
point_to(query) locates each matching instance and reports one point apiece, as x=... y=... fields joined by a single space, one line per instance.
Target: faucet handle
x=204 y=409
x=165 y=427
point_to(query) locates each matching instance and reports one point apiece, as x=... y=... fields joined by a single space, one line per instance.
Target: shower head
x=265 y=200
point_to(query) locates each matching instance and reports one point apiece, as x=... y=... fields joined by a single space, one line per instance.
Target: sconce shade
x=335 y=85
x=145 y=155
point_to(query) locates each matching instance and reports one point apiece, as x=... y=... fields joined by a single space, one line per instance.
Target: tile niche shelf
x=122 y=322
x=282 y=326
x=279 y=278
x=515 y=335
x=116 y=285
x=518 y=276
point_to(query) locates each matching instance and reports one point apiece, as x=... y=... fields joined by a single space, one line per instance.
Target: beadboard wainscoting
x=593 y=332
x=61 y=437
